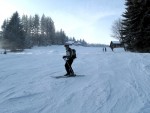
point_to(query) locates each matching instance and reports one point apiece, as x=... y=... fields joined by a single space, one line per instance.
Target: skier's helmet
x=66 y=45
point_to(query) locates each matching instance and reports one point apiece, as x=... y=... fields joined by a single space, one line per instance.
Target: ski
x=62 y=76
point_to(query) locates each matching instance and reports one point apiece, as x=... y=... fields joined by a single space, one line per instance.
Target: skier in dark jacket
x=69 y=60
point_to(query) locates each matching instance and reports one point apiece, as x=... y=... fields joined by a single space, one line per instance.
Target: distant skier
x=105 y=49
x=5 y=52
x=69 y=57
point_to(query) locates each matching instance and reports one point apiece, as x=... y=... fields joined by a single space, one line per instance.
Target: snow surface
x=107 y=82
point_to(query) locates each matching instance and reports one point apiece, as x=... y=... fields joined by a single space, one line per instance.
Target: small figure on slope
x=69 y=58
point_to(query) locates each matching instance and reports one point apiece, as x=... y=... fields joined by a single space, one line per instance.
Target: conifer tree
x=134 y=32
x=36 y=26
x=14 y=37
x=146 y=26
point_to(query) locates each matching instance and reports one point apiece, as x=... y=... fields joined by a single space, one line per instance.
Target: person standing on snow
x=105 y=49
x=69 y=60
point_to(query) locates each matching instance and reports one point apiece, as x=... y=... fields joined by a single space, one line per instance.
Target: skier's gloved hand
x=64 y=57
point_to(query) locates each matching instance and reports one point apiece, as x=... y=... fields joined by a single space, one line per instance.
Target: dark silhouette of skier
x=69 y=60
x=104 y=49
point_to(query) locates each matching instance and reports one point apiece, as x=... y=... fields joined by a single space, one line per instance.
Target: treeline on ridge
x=26 y=32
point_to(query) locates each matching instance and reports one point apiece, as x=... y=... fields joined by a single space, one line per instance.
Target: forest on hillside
x=28 y=31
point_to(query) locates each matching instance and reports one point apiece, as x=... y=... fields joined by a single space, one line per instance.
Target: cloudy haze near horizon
x=90 y=20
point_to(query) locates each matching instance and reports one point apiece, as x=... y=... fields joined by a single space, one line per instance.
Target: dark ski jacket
x=68 y=55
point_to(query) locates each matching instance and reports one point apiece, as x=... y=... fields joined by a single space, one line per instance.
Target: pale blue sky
x=83 y=19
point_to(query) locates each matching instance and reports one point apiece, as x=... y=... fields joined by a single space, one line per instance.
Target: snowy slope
x=108 y=82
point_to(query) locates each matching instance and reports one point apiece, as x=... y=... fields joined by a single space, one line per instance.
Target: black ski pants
x=68 y=66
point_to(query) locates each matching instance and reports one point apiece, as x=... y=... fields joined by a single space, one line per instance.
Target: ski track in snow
x=113 y=82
